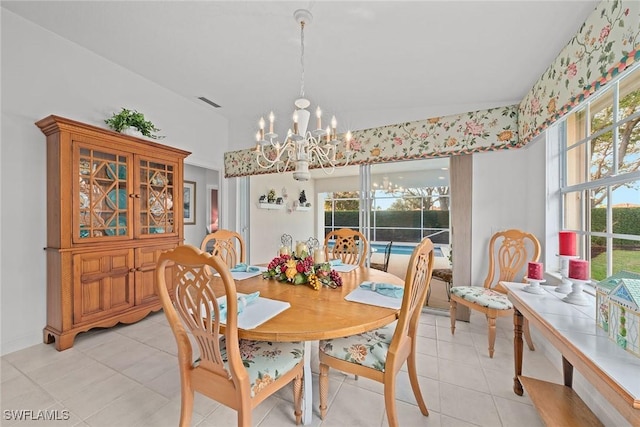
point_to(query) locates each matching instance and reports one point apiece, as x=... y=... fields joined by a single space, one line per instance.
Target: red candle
x=535 y=271
x=578 y=269
x=567 y=240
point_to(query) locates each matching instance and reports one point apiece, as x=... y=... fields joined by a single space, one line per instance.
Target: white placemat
x=344 y=268
x=241 y=275
x=367 y=296
x=258 y=311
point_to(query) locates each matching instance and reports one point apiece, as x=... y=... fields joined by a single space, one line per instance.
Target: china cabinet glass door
x=103 y=194
x=157 y=191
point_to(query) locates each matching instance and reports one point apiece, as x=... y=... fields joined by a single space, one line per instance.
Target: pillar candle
x=284 y=250
x=567 y=243
x=301 y=249
x=535 y=271
x=318 y=256
x=578 y=269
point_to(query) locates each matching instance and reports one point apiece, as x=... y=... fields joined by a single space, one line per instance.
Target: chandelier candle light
x=301 y=146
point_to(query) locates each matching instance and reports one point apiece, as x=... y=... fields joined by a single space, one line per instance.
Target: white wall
x=267 y=226
x=508 y=192
x=43 y=74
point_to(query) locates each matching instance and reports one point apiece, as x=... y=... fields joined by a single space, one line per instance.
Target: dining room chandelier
x=302 y=146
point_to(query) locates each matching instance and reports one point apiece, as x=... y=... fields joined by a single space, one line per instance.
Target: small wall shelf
x=273 y=206
x=303 y=208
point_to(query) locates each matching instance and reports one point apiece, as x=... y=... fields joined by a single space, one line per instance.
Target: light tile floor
x=127 y=376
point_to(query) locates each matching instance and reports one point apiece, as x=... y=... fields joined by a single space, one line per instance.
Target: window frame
x=559 y=134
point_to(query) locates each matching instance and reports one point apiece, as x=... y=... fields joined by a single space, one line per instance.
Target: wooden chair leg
x=453 y=306
x=415 y=385
x=323 y=382
x=186 y=401
x=390 y=402
x=527 y=335
x=492 y=334
x=297 y=398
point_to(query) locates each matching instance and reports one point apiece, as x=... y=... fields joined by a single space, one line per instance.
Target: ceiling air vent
x=208 y=101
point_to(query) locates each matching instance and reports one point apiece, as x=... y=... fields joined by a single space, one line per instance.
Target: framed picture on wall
x=189 y=202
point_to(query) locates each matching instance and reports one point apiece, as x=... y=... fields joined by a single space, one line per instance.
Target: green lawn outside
x=622 y=260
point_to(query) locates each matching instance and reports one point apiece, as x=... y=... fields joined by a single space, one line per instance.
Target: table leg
x=567 y=372
x=307 y=386
x=517 y=351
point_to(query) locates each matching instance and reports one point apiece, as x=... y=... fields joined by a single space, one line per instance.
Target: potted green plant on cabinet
x=127 y=119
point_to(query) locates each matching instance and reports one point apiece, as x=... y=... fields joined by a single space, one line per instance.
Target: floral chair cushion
x=366 y=349
x=483 y=296
x=265 y=361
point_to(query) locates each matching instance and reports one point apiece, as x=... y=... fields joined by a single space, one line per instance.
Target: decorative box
x=618 y=309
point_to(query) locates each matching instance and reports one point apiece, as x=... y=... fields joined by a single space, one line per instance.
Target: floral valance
x=606 y=44
x=477 y=131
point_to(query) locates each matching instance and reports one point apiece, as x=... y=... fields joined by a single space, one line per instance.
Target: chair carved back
x=196 y=307
x=350 y=246
x=417 y=282
x=509 y=253
x=227 y=244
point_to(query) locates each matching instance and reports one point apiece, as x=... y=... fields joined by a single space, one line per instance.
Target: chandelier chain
x=302 y=58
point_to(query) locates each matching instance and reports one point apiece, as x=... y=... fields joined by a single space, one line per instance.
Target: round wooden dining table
x=317 y=314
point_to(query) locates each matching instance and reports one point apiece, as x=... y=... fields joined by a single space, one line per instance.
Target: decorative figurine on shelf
x=271 y=198
x=263 y=199
x=302 y=199
x=279 y=201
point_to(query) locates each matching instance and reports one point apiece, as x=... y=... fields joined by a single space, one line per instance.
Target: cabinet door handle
x=132 y=270
x=139 y=269
x=135 y=196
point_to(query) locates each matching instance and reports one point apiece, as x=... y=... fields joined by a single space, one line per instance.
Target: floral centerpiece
x=299 y=271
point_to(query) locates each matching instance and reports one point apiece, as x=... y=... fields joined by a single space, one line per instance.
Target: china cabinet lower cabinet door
x=103 y=284
x=146 y=259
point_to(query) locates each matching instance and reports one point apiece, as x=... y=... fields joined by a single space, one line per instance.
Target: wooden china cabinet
x=114 y=203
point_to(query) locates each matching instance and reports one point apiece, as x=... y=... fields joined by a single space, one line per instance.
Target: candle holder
x=576 y=296
x=565 y=286
x=534 y=286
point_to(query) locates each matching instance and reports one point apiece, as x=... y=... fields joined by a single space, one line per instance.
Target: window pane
x=629 y=143
x=576 y=165
x=576 y=127
x=601 y=112
x=626 y=255
x=626 y=208
x=573 y=210
x=601 y=161
x=629 y=96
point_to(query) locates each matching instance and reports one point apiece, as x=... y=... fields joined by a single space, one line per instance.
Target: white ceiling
x=369 y=63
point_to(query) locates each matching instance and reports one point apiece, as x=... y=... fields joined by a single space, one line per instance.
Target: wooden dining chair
x=509 y=254
x=379 y=354
x=350 y=246
x=384 y=266
x=226 y=244
x=238 y=373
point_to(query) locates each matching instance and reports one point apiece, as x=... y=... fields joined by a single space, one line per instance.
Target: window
x=600 y=176
x=398 y=215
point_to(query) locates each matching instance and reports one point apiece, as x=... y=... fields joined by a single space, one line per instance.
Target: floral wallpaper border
x=476 y=131
x=607 y=43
